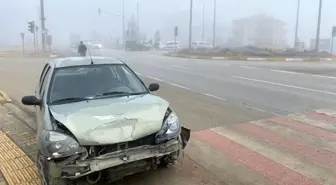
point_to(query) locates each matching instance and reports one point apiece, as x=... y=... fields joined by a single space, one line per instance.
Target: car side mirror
x=154 y=87
x=30 y=100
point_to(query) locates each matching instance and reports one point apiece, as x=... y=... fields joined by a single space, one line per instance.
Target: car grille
x=147 y=140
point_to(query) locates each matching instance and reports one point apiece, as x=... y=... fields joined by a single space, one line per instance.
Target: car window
x=44 y=81
x=93 y=80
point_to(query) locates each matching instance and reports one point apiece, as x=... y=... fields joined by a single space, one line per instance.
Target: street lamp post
x=203 y=22
x=214 y=26
x=118 y=15
x=190 y=23
x=297 y=25
x=43 y=38
x=317 y=44
x=138 y=26
x=123 y=23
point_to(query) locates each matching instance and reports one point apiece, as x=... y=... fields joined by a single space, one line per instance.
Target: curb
x=241 y=58
x=20 y=55
x=4 y=98
x=30 y=56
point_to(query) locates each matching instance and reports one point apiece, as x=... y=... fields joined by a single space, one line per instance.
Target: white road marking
x=180 y=86
x=289 y=72
x=285 y=85
x=181 y=67
x=248 y=67
x=322 y=76
x=299 y=73
x=216 y=97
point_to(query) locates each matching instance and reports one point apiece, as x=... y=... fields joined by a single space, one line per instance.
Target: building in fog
x=325 y=44
x=260 y=31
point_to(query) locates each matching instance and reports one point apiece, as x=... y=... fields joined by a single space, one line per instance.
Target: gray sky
x=66 y=16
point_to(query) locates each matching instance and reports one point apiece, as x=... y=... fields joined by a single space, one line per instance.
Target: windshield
x=94 y=81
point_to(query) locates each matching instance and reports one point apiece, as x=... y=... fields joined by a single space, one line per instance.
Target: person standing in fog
x=82 y=49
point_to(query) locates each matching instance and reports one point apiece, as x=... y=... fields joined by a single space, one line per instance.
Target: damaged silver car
x=97 y=120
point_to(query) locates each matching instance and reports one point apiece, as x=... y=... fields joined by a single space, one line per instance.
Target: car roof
x=78 y=61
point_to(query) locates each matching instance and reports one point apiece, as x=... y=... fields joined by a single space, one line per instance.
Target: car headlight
x=171 y=128
x=57 y=145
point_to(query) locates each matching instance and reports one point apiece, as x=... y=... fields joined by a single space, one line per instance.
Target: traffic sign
x=22 y=35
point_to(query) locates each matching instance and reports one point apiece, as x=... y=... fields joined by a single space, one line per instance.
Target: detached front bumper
x=109 y=160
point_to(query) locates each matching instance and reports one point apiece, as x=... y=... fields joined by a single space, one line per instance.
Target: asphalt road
x=276 y=88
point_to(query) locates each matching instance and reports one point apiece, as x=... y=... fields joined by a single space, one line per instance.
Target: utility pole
x=214 y=26
x=203 y=22
x=190 y=23
x=123 y=23
x=333 y=34
x=317 y=44
x=138 y=26
x=23 y=45
x=42 y=25
x=297 y=25
x=37 y=41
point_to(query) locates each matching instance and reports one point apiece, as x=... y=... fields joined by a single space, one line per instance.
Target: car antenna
x=87 y=46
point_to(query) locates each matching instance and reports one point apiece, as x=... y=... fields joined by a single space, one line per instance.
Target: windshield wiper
x=72 y=99
x=121 y=93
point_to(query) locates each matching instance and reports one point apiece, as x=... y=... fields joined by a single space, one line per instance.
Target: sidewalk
x=244 y=58
x=17 y=150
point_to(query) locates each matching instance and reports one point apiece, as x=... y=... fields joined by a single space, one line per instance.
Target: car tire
x=43 y=170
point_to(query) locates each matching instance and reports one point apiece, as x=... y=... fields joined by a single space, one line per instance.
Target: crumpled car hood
x=114 y=120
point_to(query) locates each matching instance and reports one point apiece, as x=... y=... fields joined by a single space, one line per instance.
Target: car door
x=40 y=95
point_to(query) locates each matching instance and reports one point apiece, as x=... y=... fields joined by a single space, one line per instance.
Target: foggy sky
x=66 y=16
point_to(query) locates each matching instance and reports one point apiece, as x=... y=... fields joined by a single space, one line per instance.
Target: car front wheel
x=44 y=173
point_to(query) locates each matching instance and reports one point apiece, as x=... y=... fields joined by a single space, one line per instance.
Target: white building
x=260 y=31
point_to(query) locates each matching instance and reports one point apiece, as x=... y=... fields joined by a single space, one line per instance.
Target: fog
x=81 y=16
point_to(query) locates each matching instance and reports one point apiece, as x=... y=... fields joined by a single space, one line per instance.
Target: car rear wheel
x=43 y=170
